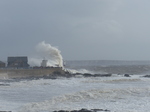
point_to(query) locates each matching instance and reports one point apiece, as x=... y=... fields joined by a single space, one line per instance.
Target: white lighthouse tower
x=44 y=63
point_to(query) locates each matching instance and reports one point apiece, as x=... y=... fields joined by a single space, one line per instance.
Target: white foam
x=92 y=99
x=115 y=97
x=82 y=71
x=112 y=93
x=48 y=52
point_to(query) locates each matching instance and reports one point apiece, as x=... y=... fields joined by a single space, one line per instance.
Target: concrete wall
x=22 y=73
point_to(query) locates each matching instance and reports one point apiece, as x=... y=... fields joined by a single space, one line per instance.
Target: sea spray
x=54 y=58
x=49 y=53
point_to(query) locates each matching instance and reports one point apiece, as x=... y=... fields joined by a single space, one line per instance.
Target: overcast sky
x=81 y=29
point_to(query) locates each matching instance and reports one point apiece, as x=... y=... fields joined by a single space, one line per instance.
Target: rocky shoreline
x=66 y=74
x=85 y=110
x=81 y=110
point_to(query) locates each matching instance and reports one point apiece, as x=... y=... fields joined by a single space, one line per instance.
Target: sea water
x=116 y=93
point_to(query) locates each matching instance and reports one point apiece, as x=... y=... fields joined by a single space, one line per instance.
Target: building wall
x=17 y=62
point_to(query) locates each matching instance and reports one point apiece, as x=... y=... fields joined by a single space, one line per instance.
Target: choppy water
x=111 y=66
x=116 y=93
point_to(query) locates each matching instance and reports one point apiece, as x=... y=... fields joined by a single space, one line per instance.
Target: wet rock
x=96 y=110
x=74 y=111
x=148 y=76
x=87 y=75
x=78 y=73
x=4 y=85
x=127 y=75
x=62 y=111
x=103 y=75
x=84 y=110
x=96 y=75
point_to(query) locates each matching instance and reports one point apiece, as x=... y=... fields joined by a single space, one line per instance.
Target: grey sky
x=82 y=29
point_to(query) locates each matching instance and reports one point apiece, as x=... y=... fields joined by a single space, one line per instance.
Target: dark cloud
x=82 y=29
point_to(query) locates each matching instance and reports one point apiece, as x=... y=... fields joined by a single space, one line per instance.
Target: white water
x=48 y=52
x=117 y=93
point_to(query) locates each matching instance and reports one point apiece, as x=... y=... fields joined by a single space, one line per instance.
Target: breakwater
x=24 y=73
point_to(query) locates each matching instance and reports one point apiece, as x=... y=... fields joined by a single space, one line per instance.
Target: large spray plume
x=47 y=52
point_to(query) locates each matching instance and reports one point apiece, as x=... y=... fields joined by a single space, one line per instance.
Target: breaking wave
x=112 y=80
x=49 y=53
x=73 y=101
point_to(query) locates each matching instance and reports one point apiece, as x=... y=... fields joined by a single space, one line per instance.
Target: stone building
x=19 y=62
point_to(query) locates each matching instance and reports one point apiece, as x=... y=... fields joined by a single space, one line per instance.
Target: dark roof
x=12 y=59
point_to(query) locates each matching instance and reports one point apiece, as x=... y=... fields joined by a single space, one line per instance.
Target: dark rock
x=74 y=111
x=77 y=74
x=84 y=110
x=148 y=76
x=126 y=75
x=67 y=72
x=4 y=85
x=62 y=111
x=102 y=75
x=87 y=75
x=96 y=75
x=95 y=110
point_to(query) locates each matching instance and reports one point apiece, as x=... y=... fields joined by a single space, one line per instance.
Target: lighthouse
x=44 y=63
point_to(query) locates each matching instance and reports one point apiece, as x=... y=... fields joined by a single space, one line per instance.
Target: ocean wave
x=111 y=80
x=66 y=101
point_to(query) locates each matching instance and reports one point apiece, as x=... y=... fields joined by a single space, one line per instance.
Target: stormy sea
x=125 y=90
x=95 y=86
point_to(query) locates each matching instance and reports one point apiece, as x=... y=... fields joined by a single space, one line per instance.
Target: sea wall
x=23 y=73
